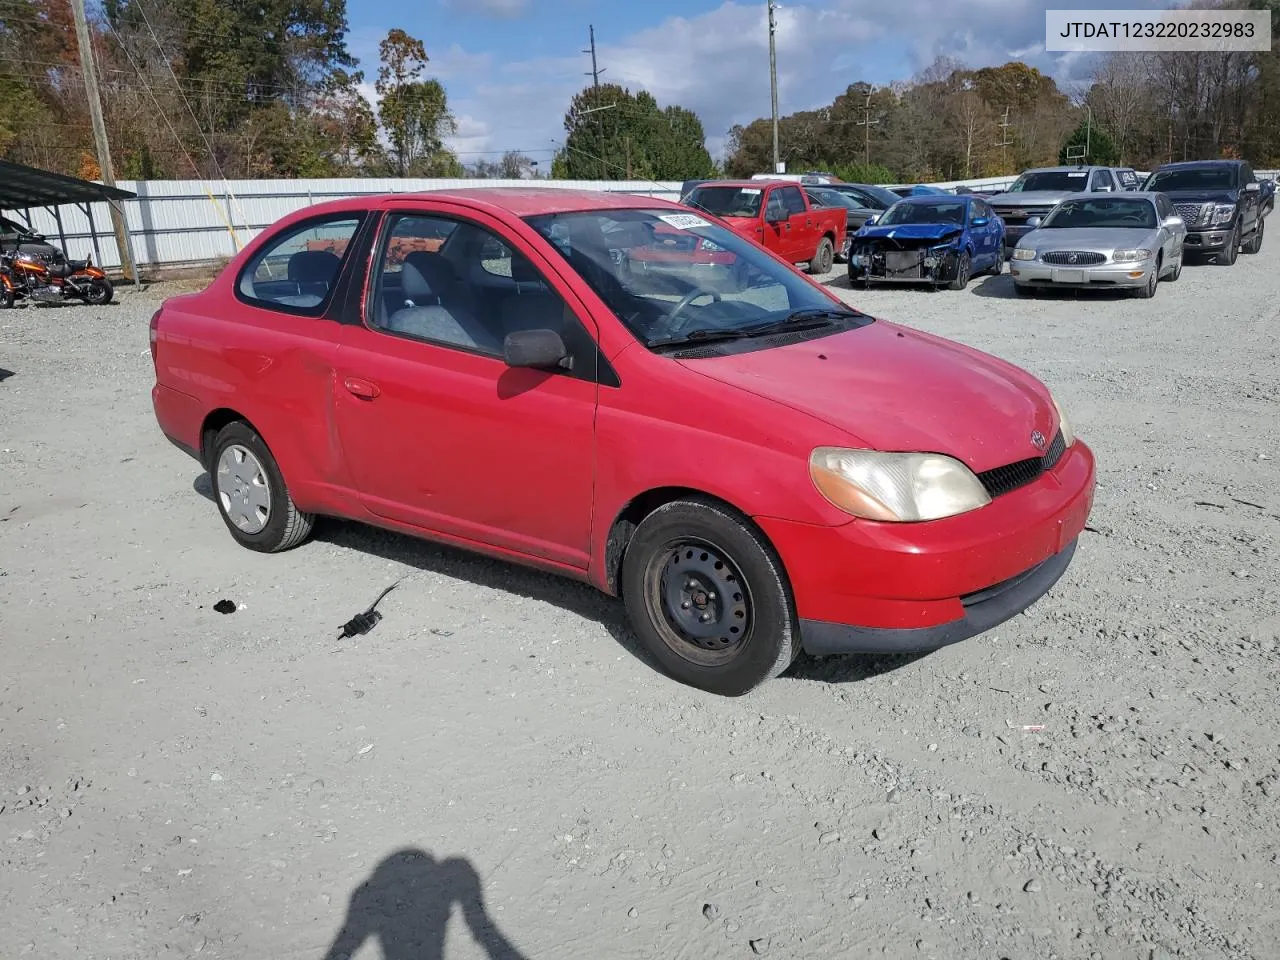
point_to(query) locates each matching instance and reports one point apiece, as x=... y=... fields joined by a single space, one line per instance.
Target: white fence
x=189 y=222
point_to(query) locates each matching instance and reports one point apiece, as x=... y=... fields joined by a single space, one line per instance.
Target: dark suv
x=1219 y=200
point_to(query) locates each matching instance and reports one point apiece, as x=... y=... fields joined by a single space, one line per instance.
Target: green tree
x=414 y=112
x=613 y=134
x=1102 y=149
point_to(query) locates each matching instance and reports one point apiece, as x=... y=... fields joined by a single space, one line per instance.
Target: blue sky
x=510 y=66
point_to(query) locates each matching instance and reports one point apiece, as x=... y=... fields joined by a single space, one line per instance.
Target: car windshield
x=1192 y=178
x=674 y=276
x=936 y=211
x=727 y=201
x=834 y=198
x=1073 y=180
x=1101 y=212
x=868 y=195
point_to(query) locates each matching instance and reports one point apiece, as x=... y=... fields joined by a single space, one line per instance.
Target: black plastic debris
x=225 y=606
x=362 y=623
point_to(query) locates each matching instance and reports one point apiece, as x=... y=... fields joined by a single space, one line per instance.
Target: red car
x=755 y=473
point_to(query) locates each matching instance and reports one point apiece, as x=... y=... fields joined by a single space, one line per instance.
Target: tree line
x=269 y=89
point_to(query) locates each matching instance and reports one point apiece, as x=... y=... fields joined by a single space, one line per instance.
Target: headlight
x=1131 y=256
x=1223 y=212
x=1022 y=253
x=1068 y=435
x=895 y=487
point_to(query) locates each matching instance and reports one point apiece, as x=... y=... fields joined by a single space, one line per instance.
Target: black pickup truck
x=1220 y=201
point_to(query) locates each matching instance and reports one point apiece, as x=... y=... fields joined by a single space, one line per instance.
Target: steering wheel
x=675 y=327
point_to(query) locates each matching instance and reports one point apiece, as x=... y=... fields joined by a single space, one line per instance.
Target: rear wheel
x=824 y=257
x=708 y=597
x=1177 y=267
x=251 y=494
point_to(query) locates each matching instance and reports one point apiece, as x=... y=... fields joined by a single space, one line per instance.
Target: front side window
x=297 y=271
x=677 y=279
x=466 y=289
x=792 y=201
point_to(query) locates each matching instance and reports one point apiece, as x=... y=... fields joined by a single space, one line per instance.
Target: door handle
x=361 y=388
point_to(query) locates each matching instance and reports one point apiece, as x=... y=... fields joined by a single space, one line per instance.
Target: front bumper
x=1212 y=238
x=866 y=587
x=1035 y=273
x=923 y=265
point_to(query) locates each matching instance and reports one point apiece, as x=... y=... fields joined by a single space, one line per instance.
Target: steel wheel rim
x=244 y=491
x=699 y=601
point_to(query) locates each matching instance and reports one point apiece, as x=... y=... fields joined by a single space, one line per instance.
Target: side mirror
x=872 y=221
x=979 y=222
x=1033 y=222
x=1253 y=187
x=541 y=349
x=1173 y=223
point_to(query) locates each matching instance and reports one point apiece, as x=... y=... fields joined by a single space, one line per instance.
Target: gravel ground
x=175 y=782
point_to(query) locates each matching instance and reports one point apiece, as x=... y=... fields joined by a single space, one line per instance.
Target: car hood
x=1032 y=198
x=1087 y=238
x=892 y=388
x=911 y=231
x=742 y=224
x=1201 y=196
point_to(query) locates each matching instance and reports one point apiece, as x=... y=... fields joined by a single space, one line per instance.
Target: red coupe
x=755 y=467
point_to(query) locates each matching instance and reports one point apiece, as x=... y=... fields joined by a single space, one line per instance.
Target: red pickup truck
x=778 y=216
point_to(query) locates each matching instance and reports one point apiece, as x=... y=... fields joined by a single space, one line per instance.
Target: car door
x=987 y=234
x=437 y=430
x=802 y=235
x=777 y=223
x=1250 y=199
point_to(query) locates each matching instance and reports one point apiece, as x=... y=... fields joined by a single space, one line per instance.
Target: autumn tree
x=414 y=112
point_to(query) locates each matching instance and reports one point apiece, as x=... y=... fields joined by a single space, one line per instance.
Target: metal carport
x=23 y=187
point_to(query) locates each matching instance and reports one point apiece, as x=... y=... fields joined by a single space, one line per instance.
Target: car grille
x=1011 y=476
x=1081 y=257
x=1020 y=215
x=1192 y=213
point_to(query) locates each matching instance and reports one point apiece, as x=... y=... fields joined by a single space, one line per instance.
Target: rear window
x=728 y=201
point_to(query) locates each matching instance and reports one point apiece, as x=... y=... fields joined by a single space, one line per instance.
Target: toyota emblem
x=1037 y=438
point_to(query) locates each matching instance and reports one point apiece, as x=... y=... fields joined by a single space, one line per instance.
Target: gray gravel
x=175 y=782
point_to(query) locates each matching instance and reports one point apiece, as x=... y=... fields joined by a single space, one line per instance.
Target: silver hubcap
x=243 y=490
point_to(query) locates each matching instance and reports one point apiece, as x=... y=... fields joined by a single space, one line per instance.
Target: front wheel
x=823 y=258
x=709 y=598
x=1227 y=255
x=6 y=297
x=251 y=494
x=963 y=269
x=100 y=292
x=1148 y=289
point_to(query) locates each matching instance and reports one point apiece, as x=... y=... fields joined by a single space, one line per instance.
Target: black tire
x=666 y=554
x=1255 y=242
x=823 y=257
x=6 y=298
x=286 y=526
x=1148 y=289
x=996 y=268
x=964 y=269
x=1227 y=255
x=858 y=279
x=100 y=292
x=1177 y=269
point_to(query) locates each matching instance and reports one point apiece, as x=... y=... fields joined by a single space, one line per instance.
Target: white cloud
x=494 y=9
x=717 y=63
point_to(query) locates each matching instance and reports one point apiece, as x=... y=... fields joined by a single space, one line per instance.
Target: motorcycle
x=28 y=276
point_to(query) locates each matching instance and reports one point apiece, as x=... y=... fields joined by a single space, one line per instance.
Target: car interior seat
x=433 y=308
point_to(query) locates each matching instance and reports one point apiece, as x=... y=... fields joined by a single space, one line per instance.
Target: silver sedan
x=1129 y=240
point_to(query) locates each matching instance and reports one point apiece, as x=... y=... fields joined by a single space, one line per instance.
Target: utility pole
x=773 y=81
x=1005 y=142
x=868 y=123
x=628 y=158
x=89 y=68
x=1088 y=129
x=595 y=80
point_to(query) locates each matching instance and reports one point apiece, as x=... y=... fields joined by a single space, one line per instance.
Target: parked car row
x=1069 y=227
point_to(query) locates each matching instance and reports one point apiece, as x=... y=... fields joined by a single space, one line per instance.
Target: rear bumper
x=865 y=586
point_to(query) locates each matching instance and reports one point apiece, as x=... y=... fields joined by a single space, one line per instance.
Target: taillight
x=155 y=322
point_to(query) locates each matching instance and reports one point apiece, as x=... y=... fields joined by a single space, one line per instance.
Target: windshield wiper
x=701 y=335
x=810 y=319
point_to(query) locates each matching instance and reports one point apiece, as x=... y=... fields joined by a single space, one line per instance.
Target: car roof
x=520 y=201
x=1067 y=168
x=1115 y=195
x=1198 y=164
x=939 y=198
x=757 y=184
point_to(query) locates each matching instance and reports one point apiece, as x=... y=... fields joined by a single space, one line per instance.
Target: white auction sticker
x=1090 y=31
x=750 y=191
x=683 y=221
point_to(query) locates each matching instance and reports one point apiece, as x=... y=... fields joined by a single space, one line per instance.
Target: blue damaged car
x=928 y=239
